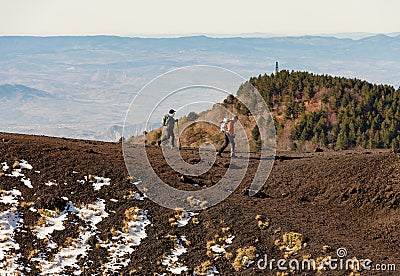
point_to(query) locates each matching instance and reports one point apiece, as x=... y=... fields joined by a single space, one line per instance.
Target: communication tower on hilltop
x=276 y=68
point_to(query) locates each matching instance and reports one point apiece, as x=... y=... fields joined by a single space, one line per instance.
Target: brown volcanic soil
x=341 y=199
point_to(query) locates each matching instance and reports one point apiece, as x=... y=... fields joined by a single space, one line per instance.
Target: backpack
x=223 y=124
x=165 y=120
x=168 y=121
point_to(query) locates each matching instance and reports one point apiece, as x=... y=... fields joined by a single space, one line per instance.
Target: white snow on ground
x=23 y=164
x=60 y=257
x=27 y=182
x=184 y=220
x=67 y=257
x=93 y=213
x=50 y=183
x=123 y=242
x=10 y=220
x=5 y=167
x=100 y=182
x=52 y=221
x=16 y=173
x=220 y=249
x=172 y=262
x=135 y=196
x=229 y=240
x=10 y=197
x=97 y=181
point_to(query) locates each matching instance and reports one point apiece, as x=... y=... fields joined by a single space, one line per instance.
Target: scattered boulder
x=194 y=161
x=186 y=179
x=90 y=151
x=51 y=202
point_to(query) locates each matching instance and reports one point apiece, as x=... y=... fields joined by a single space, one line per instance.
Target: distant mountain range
x=351 y=35
x=13 y=91
x=81 y=87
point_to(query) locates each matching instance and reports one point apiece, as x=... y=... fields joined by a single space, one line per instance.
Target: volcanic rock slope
x=69 y=207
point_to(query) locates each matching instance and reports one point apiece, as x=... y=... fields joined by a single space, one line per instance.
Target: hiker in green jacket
x=168 y=123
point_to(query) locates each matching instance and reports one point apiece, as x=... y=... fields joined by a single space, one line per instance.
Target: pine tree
x=256 y=137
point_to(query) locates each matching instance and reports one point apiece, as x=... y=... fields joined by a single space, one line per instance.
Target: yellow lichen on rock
x=262 y=222
x=16 y=165
x=244 y=257
x=291 y=243
x=292 y=239
x=203 y=268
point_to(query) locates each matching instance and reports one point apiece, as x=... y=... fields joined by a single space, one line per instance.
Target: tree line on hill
x=324 y=110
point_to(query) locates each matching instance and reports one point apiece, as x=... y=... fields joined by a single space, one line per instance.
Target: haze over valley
x=81 y=87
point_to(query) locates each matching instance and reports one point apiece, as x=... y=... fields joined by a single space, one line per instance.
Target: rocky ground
x=69 y=207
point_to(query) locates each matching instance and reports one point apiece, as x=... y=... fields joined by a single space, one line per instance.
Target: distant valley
x=81 y=87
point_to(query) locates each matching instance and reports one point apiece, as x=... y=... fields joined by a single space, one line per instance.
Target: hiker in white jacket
x=229 y=131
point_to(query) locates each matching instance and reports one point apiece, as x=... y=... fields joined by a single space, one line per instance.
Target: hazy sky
x=150 y=17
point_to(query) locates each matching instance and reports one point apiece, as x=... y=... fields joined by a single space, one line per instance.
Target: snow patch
x=27 y=182
x=93 y=213
x=10 y=221
x=221 y=249
x=123 y=242
x=23 y=164
x=184 y=218
x=52 y=221
x=67 y=257
x=16 y=173
x=5 y=167
x=100 y=182
x=229 y=240
x=10 y=197
x=50 y=183
x=216 y=248
x=9 y=256
x=172 y=262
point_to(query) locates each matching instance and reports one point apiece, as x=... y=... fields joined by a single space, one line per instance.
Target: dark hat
x=171 y=111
